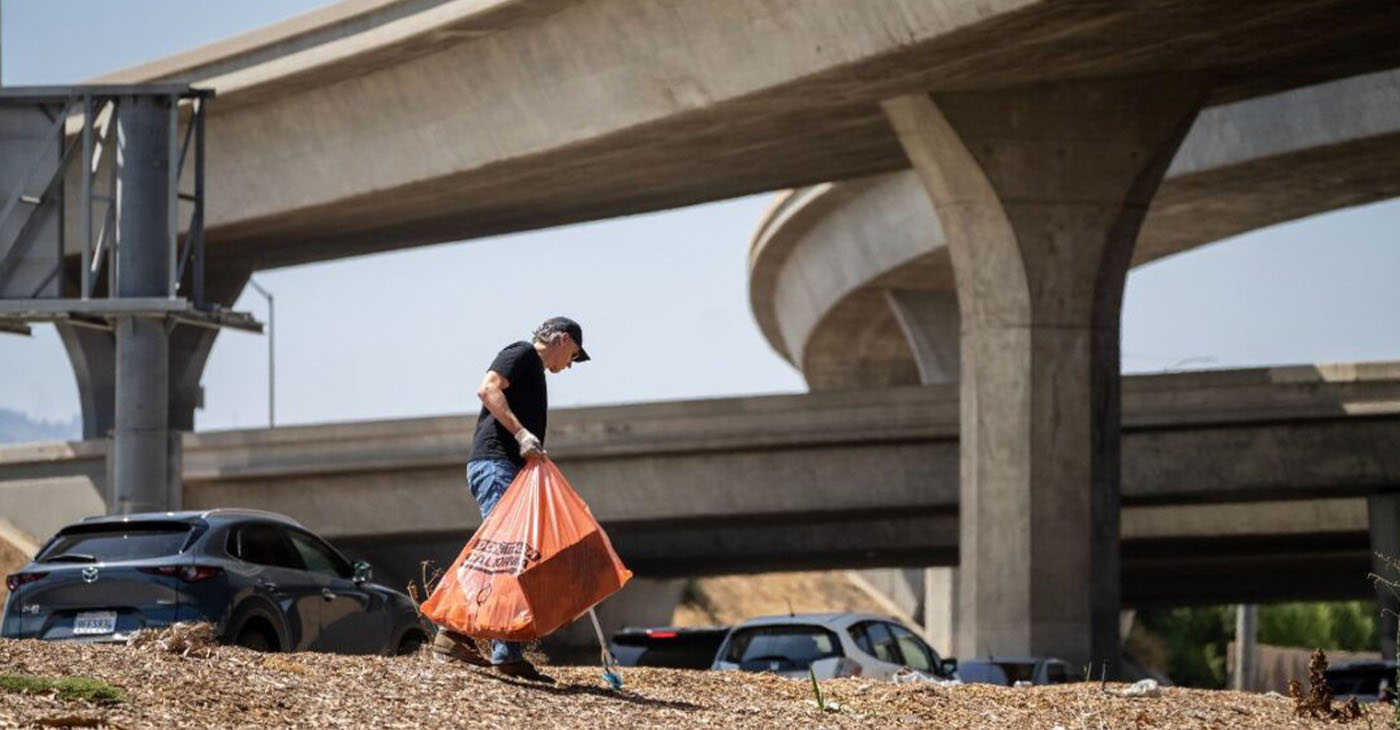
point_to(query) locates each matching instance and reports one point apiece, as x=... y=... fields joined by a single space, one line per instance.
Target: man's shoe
x=522 y=669
x=449 y=646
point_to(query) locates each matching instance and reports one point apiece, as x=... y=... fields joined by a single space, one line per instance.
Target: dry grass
x=186 y=639
x=236 y=688
x=733 y=598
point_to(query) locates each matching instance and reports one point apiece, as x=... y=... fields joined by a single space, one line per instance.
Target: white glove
x=530 y=445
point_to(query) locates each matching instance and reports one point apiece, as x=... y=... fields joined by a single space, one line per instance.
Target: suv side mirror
x=362 y=572
x=948 y=667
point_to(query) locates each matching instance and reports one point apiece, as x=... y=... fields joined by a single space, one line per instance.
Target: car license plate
x=95 y=622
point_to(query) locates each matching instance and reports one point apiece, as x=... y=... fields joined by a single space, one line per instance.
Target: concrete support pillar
x=929 y=320
x=1040 y=192
x=1383 y=514
x=1246 y=631
x=92 y=353
x=941 y=609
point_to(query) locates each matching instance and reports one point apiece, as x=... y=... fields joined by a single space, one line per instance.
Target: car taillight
x=14 y=580
x=661 y=634
x=186 y=573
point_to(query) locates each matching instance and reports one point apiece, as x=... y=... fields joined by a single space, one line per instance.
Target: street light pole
x=271 y=368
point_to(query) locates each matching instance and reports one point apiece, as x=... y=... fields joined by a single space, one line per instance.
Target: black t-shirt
x=528 y=399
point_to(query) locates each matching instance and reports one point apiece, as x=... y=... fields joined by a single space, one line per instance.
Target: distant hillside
x=18 y=428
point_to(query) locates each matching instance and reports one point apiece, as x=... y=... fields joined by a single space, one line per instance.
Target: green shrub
x=1198 y=637
x=1344 y=625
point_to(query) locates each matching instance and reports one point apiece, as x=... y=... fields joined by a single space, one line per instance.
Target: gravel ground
x=185 y=685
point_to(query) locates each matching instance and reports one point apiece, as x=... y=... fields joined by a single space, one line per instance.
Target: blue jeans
x=488 y=480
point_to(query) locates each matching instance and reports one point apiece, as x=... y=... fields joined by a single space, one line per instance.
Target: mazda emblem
x=90 y=574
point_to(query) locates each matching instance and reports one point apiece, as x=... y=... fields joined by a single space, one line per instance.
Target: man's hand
x=530 y=446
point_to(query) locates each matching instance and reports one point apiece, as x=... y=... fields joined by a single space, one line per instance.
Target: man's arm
x=492 y=395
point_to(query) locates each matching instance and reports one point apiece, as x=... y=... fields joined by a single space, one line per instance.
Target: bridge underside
x=1245 y=485
x=654 y=109
x=1156 y=572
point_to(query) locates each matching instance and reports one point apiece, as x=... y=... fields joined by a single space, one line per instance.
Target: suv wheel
x=255 y=638
x=410 y=643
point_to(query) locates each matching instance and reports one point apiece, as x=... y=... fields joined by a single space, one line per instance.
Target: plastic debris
x=905 y=675
x=1140 y=688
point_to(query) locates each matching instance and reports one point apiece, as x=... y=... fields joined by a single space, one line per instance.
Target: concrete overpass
x=1271 y=504
x=852 y=281
x=395 y=123
x=866 y=261
x=1040 y=131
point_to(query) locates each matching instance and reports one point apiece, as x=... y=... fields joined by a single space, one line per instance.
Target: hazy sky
x=662 y=298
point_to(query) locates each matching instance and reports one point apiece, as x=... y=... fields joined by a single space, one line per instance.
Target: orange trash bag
x=538 y=562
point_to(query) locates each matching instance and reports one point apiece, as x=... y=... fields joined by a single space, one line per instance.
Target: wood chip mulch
x=169 y=686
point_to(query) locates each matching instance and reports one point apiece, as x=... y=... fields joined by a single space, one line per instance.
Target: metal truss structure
x=80 y=122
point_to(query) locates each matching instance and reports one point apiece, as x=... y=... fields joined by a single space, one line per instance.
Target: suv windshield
x=116 y=542
x=781 y=648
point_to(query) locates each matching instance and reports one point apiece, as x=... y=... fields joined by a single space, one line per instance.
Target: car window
x=318 y=556
x=861 y=637
x=114 y=542
x=1018 y=671
x=264 y=544
x=784 y=648
x=917 y=655
x=882 y=643
x=981 y=671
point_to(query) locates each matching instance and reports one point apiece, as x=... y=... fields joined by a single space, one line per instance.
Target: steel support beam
x=142 y=459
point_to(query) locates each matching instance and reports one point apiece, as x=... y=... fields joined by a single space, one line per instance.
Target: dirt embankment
x=730 y=599
x=16 y=548
x=236 y=688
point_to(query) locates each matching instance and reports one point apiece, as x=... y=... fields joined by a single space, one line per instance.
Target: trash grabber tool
x=611 y=673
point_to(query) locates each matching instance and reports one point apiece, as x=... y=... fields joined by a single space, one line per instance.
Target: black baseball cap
x=568 y=325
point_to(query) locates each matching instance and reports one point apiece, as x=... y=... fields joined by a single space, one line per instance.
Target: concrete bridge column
x=1040 y=192
x=930 y=322
x=92 y=353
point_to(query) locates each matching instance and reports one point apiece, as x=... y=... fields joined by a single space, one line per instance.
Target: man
x=509 y=430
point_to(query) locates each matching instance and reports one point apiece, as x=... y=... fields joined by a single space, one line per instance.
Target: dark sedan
x=263 y=580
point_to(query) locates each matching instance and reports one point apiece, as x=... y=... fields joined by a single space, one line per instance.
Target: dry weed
x=184 y=638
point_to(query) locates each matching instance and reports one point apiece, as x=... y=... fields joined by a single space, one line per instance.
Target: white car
x=830 y=645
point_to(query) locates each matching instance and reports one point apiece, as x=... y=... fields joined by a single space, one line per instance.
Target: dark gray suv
x=263 y=580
